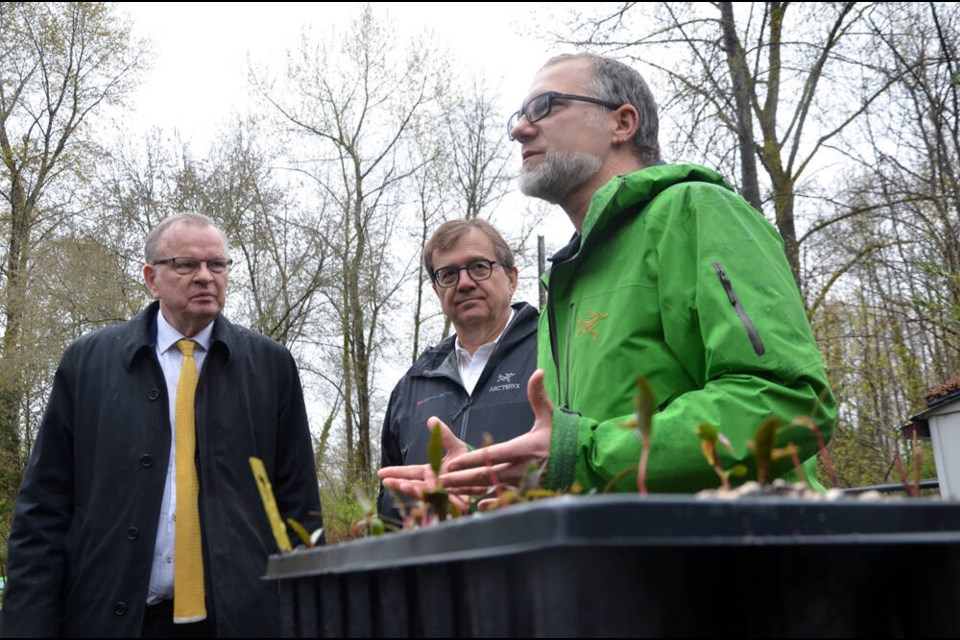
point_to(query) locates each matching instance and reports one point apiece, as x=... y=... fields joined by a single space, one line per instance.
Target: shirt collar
x=461 y=352
x=167 y=336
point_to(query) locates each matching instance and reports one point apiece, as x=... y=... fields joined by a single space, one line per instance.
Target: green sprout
x=437 y=497
x=710 y=438
x=645 y=405
x=370 y=524
x=807 y=422
x=765 y=451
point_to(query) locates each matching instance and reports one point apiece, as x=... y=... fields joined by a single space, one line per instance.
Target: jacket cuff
x=563 y=448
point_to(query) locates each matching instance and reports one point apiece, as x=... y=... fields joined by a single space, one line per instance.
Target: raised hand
x=509 y=461
x=411 y=480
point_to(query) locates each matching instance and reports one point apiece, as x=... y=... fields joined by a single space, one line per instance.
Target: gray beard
x=558 y=175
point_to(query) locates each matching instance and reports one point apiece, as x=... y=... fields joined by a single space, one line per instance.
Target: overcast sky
x=199 y=72
x=202 y=52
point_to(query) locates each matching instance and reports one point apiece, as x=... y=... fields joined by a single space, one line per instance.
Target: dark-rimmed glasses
x=478 y=270
x=188 y=266
x=539 y=108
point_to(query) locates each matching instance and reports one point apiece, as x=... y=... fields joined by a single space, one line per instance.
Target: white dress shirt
x=471 y=366
x=161 y=572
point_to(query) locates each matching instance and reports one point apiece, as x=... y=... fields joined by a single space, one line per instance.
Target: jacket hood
x=626 y=196
x=629 y=194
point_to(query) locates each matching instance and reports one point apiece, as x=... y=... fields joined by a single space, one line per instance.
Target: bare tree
x=474 y=161
x=915 y=172
x=892 y=328
x=776 y=82
x=280 y=257
x=433 y=208
x=59 y=64
x=353 y=124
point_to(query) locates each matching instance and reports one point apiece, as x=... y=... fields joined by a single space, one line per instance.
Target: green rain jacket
x=675 y=277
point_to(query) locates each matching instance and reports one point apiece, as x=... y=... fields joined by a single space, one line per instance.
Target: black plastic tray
x=662 y=565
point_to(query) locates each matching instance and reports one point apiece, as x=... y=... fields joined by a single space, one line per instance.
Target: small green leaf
x=646 y=404
x=363 y=500
x=531 y=478
x=439 y=499
x=765 y=439
x=708 y=445
x=435 y=447
x=300 y=531
x=708 y=432
x=377 y=528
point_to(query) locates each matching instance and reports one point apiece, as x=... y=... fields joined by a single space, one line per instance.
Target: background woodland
x=839 y=121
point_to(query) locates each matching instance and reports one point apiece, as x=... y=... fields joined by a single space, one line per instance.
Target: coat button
x=133 y=533
x=154 y=393
x=120 y=608
x=146 y=460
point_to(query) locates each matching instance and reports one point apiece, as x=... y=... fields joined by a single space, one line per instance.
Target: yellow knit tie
x=188 y=593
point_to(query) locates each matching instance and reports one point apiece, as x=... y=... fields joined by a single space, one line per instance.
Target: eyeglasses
x=478 y=270
x=539 y=108
x=188 y=266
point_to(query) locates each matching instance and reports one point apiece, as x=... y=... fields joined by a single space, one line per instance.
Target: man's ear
x=626 y=123
x=149 y=276
x=513 y=275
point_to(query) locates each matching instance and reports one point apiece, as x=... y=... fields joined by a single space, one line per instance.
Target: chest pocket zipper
x=752 y=332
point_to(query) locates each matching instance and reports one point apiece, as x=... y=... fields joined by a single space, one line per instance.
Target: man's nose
x=464 y=279
x=203 y=273
x=522 y=130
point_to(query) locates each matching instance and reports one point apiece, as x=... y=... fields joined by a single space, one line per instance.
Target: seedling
x=309 y=540
x=794 y=452
x=436 y=496
x=912 y=488
x=765 y=451
x=371 y=524
x=806 y=421
x=645 y=405
x=710 y=438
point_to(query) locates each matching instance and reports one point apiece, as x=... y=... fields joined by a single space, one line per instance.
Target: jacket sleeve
x=296 y=486
x=732 y=315
x=36 y=559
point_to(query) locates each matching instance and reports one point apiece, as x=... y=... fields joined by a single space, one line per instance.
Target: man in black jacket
x=476 y=380
x=95 y=549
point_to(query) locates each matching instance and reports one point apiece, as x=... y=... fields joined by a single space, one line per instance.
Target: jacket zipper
x=554 y=347
x=552 y=321
x=741 y=312
x=466 y=419
x=495 y=359
x=566 y=378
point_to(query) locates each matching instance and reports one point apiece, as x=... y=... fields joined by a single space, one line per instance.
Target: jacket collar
x=139 y=335
x=442 y=360
x=626 y=195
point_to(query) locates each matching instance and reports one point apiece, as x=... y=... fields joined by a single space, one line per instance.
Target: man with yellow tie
x=139 y=514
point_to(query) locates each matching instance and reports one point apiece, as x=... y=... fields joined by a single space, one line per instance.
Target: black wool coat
x=86 y=518
x=498 y=406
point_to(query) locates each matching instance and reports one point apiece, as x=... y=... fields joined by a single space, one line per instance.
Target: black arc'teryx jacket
x=432 y=387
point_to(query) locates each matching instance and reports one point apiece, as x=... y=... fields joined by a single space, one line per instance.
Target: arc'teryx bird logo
x=590 y=326
x=504 y=384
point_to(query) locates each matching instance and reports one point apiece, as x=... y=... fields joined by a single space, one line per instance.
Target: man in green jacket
x=670 y=274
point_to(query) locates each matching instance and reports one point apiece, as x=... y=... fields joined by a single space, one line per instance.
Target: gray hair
x=184 y=217
x=618 y=83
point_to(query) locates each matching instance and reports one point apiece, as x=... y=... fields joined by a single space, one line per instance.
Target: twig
x=911 y=489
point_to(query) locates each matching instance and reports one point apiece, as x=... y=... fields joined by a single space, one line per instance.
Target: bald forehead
x=183 y=231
